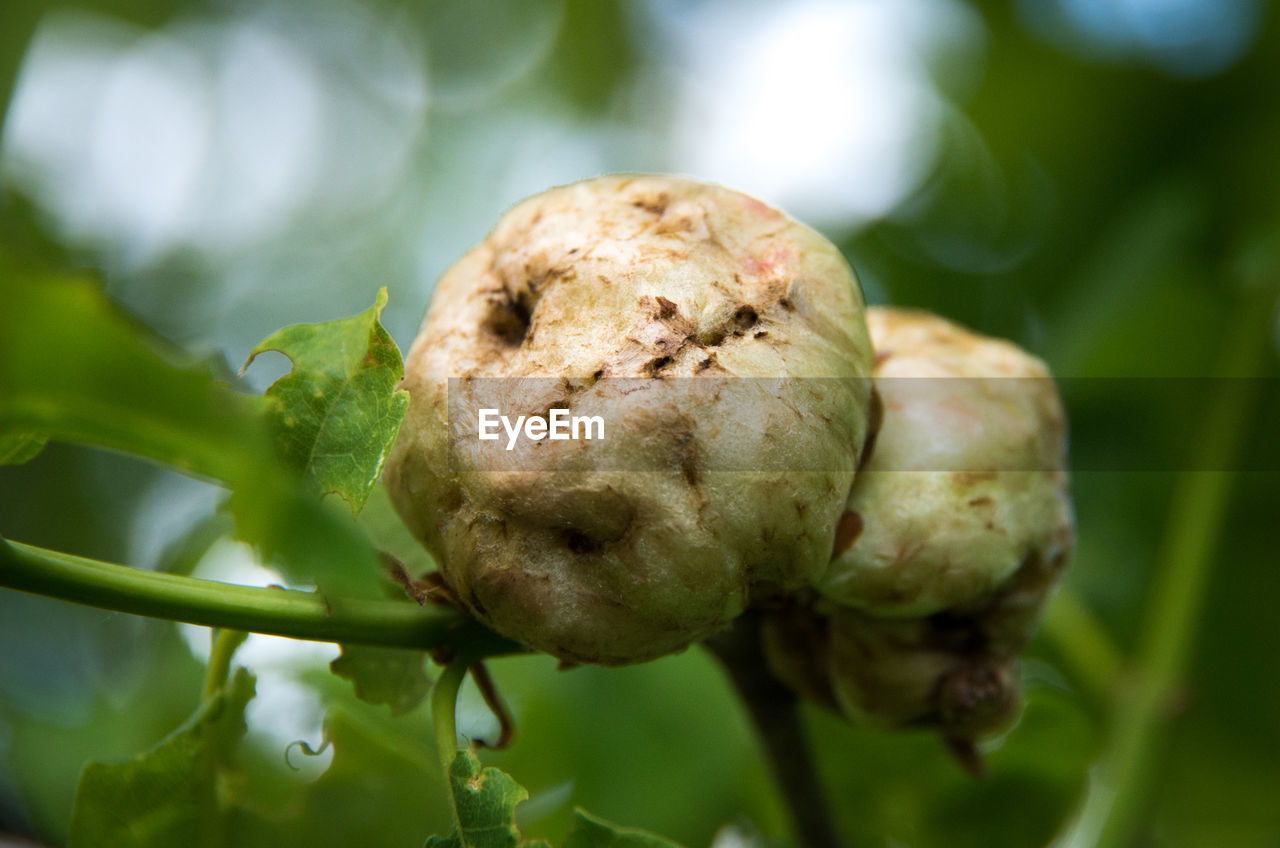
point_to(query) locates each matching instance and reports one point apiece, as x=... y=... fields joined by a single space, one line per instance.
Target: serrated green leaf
x=167 y=796
x=336 y=414
x=159 y=799
x=19 y=447
x=484 y=800
x=591 y=832
x=391 y=676
x=74 y=368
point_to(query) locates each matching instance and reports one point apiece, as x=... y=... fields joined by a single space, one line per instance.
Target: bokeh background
x=1096 y=179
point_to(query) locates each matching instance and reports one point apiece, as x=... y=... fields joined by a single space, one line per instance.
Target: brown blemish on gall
x=744 y=316
x=655 y=204
x=451 y=498
x=848 y=529
x=653 y=366
x=509 y=318
x=875 y=418
x=579 y=542
x=689 y=469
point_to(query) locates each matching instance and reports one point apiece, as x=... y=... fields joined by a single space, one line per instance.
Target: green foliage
x=169 y=795
x=189 y=790
x=313 y=544
x=74 y=368
x=903 y=789
x=485 y=800
x=383 y=787
x=391 y=676
x=591 y=832
x=1105 y=235
x=18 y=447
x=337 y=412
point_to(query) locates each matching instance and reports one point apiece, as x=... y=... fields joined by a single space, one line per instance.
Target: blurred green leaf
x=337 y=412
x=169 y=795
x=485 y=800
x=591 y=832
x=183 y=554
x=229 y=727
x=75 y=368
x=19 y=447
x=391 y=676
x=590 y=59
x=312 y=543
x=902 y=788
x=381 y=788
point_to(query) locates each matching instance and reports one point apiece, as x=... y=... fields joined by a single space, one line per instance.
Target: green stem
x=444 y=708
x=444 y=703
x=774 y=713
x=223 y=646
x=1111 y=815
x=280 y=612
x=1084 y=645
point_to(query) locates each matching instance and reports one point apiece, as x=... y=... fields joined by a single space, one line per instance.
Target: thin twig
x=222 y=647
x=280 y=612
x=497 y=706
x=774 y=713
x=444 y=707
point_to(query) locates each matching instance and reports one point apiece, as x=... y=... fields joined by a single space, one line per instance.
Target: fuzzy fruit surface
x=657 y=278
x=967 y=476
x=955 y=533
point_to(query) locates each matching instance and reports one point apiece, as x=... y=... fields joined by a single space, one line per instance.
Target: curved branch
x=279 y=612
